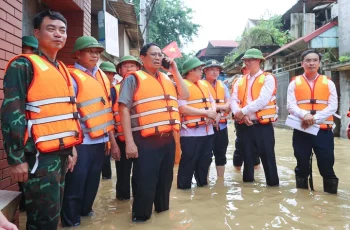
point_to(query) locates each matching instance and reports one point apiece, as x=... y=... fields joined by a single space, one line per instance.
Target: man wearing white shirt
x=313 y=98
x=254 y=107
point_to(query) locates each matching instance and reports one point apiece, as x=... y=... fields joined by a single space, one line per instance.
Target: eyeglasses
x=154 y=55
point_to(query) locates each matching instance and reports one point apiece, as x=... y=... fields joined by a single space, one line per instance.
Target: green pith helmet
x=212 y=63
x=129 y=58
x=253 y=53
x=108 y=66
x=85 y=42
x=243 y=67
x=30 y=41
x=190 y=64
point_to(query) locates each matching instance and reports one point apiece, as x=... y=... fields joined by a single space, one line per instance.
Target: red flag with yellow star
x=172 y=50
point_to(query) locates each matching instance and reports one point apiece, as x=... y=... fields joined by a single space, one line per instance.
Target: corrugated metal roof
x=305 y=39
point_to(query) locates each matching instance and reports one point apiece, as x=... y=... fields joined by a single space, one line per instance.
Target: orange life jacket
x=51 y=112
x=315 y=99
x=219 y=96
x=269 y=112
x=233 y=85
x=200 y=99
x=93 y=102
x=155 y=103
x=117 y=126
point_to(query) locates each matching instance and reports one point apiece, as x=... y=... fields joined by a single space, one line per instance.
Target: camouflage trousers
x=44 y=191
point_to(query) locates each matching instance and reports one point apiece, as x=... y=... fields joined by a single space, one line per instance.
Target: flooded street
x=231 y=204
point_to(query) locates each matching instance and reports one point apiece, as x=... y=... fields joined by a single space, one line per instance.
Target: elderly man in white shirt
x=313 y=98
x=254 y=106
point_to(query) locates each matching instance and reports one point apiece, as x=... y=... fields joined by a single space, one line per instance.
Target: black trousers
x=196 y=158
x=152 y=174
x=123 y=168
x=323 y=147
x=238 y=155
x=106 y=168
x=220 y=143
x=82 y=184
x=262 y=138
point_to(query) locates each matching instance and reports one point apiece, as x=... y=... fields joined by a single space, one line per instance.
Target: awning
x=125 y=12
x=301 y=43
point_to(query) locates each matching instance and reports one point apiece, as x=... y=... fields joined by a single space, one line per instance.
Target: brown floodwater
x=228 y=203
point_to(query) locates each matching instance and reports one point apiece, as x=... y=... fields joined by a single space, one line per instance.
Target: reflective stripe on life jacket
x=51 y=113
x=313 y=100
x=117 y=126
x=199 y=99
x=93 y=102
x=219 y=96
x=269 y=112
x=155 y=104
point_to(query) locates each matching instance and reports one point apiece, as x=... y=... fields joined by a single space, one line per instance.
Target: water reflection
x=227 y=203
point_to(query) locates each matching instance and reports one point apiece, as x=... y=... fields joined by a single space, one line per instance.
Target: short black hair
x=310 y=51
x=53 y=15
x=146 y=47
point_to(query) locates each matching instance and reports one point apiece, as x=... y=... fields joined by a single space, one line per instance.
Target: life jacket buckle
x=103 y=100
x=167 y=97
x=313 y=112
x=76 y=115
x=313 y=101
x=217 y=100
x=169 y=109
x=204 y=99
x=61 y=146
x=172 y=122
x=73 y=100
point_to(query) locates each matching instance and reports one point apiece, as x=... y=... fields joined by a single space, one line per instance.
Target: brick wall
x=10 y=45
x=79 y=24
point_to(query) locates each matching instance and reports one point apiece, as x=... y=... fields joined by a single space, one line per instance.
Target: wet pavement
x=228 y=203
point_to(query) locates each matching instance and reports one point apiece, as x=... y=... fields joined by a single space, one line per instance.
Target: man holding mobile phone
x=149 y=118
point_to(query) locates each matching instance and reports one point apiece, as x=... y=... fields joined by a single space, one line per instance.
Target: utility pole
x=143 y=19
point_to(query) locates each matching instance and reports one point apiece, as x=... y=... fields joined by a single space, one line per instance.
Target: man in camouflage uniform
x=29 y=44
x=43 y=189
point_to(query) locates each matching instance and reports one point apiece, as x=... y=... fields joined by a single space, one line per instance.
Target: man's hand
x=348 y=130
x=217 y=121
x=227 y=108
x=239 y=115
x=71 y=164
x=173 y=66
x=308 y=120
x=211 y=114
x=247 y=121
x=5 y=224
x=131 y=150
x=19 y=172
x=115 y=152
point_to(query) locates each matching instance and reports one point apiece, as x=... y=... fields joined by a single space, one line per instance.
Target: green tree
x=170 y=21
x=266 y=32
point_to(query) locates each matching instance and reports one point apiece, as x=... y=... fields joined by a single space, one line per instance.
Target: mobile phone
x=165 y=63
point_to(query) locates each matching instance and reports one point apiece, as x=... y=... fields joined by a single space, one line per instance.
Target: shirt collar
x=82 y=68
x=313 y=79
x=41 y=54
x=256 y=75
x=157 y=73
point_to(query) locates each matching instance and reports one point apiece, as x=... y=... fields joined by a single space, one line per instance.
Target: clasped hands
x=240 y=117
